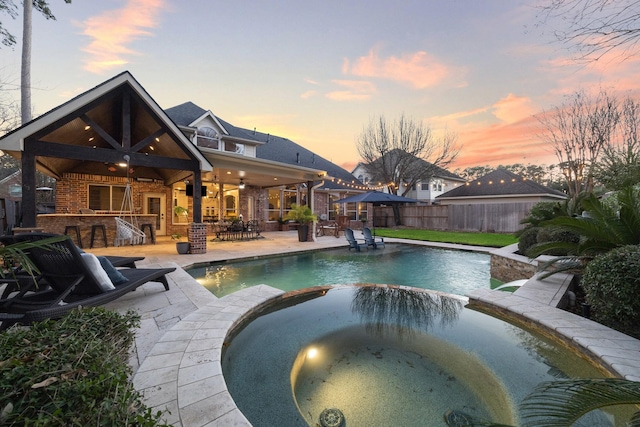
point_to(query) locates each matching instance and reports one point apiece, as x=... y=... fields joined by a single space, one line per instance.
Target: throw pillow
x=101 y=276
x=113 y=273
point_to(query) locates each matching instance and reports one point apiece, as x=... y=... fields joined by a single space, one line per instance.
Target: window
x=280 y=201
x=180 y=199
x=289 y=197
x=230 y=208
x=424 y=185
x=233 y=147
x=274 y=205
x=208 y=137
x=106 y=197
x=438 y=185
x=334 y=208
x=352 y=211
x=362 y=211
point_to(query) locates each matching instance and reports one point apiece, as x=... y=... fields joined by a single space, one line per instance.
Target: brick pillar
x=197 y=236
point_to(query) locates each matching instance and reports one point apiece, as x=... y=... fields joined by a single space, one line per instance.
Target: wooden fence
x=490 y=217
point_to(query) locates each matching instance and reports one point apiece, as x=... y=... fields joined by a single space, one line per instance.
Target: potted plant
x=181 y=247
x=303 y=216
x=282 y=224
x=180 y=212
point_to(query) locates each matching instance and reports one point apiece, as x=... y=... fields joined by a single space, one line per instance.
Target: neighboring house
x=500 y=186
x=425 y=190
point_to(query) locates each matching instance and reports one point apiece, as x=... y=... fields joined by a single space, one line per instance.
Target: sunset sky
x=317 y=72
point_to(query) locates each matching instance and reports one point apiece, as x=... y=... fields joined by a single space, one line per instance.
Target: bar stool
x=75 y=228
x=152 y=231
x=101 y=227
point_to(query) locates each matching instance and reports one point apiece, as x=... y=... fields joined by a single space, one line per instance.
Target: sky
x=319 y=72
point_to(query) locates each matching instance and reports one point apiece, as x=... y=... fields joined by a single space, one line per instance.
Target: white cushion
x=101 y=276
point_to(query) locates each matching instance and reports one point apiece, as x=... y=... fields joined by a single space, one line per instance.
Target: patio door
x=156 y=203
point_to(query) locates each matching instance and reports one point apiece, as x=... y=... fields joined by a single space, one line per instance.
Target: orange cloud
x=114 y=29
x=513 y=108
x=355 y=90
x=418 y=69
x=508 y=143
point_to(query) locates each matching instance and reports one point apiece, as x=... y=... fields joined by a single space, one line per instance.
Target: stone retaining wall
x=508 y=266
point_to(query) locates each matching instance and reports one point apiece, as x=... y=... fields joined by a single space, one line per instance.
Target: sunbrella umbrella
x=377 y=198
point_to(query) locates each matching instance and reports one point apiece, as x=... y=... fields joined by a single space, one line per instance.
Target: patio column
x=28 y=186
x=197 y=197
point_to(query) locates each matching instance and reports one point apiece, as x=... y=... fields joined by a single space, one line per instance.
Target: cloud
x=114 y=29
x=513 y=108
x=420 y=69
x=308 y=94
x=355 y=90
x=505 y=143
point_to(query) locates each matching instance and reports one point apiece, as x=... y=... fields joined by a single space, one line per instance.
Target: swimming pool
x=388 y=356
x=450 y=271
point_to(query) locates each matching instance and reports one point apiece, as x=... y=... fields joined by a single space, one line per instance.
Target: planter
x=303 y=232
x=183 y=247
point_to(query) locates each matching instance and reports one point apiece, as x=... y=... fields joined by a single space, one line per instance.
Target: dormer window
x=234 y=147
x=209 y=138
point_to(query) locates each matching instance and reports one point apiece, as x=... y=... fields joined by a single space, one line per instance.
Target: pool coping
x=182 y=373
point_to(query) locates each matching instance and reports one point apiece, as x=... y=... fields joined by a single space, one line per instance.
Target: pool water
x=388 y=356
x=451 y=271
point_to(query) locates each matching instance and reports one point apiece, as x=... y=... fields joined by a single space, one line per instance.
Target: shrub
x=71 y=372
x=528 y=238
x=611 y=282
x=541 y=211
x=554 y=234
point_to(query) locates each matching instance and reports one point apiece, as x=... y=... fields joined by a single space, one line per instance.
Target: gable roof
x=501 y=182
x=100 y=111
x=438 y=172
x=272 y=147
x=188 y=114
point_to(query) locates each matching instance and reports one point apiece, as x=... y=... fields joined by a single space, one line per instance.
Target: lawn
x=477 y=239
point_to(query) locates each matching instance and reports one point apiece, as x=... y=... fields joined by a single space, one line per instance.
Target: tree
x=9 y=7
x=594 y=28
x=474 y=172
x=25 y=70
x=8 y=39
x=404 y=152
x=9 y=112
x=619 y=166
x=578 y=131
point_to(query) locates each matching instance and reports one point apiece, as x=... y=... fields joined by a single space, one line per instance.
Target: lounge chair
x=116 y=261
x=73 y=280
x=353 y=242
x=375 y=242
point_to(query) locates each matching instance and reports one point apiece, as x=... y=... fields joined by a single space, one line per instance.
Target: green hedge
x=611 y=282
x=71 y=372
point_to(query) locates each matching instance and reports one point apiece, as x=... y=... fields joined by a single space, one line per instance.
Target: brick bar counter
x=55 y=223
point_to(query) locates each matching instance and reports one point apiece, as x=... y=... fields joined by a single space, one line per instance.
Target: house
x=211 y=133
x=429 y=182
x=499 y=186
x=113 y=144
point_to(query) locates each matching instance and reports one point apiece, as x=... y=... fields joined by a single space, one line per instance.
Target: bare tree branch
x=595 y=28
x=578 y=131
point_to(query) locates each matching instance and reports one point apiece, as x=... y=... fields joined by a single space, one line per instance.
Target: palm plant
x=562 y=403
x=601 y=228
